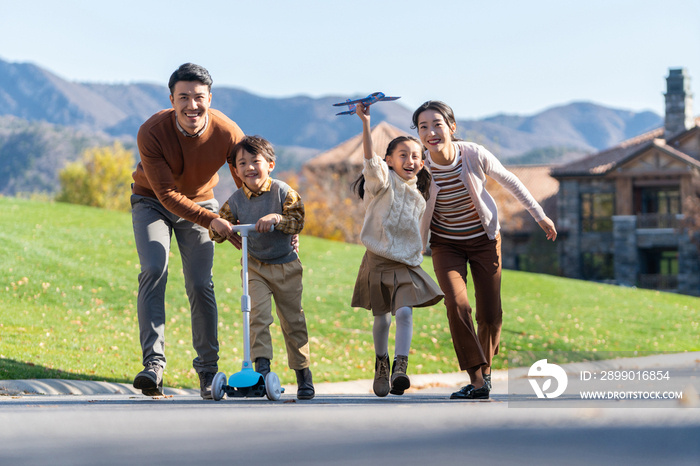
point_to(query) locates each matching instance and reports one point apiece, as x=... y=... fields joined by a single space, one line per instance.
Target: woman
x=462 y=219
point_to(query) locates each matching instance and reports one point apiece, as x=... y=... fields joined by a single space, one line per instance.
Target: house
x=619 y=210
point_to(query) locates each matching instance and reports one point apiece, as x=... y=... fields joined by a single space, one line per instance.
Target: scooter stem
x=245 y=299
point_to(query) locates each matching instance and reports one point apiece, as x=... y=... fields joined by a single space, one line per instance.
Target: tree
x=102 y=178
x=333 y=211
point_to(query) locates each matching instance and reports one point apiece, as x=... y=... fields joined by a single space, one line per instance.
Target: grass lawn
x=68 y=283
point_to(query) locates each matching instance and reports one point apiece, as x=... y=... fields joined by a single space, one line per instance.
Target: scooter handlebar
x=245 y=229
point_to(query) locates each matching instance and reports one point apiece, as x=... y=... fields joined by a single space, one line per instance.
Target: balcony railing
x=657 y=220
x=658 y=281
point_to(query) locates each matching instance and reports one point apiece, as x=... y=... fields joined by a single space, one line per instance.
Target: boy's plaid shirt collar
x=264 y=189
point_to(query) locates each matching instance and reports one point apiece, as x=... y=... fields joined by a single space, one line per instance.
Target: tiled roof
x=602 y=162
x=349 y=155
x=670 y=150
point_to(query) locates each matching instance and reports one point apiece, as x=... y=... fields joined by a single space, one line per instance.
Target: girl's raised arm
x=363 y=113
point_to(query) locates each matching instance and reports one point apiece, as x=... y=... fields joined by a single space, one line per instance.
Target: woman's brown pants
x=450 y=259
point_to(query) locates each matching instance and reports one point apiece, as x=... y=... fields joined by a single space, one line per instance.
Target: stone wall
x=568 y=214
x=626 y=255
x=688 y=264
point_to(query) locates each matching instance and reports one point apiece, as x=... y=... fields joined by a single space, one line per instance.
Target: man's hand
x=221 y=227
x=265 y=224
x=295 y=243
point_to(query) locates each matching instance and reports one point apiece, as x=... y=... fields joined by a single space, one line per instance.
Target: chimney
x=679 y=103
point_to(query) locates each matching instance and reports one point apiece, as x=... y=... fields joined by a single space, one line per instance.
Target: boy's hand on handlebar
x=264 y=224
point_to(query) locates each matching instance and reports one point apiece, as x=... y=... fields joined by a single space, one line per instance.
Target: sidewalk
x=419 y=382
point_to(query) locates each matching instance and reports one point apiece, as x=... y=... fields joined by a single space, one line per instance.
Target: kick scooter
x=246 y=383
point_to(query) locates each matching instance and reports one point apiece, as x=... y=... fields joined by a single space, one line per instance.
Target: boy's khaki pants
x=283 y=283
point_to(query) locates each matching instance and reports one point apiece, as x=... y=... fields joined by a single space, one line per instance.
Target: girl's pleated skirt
x=384 y=285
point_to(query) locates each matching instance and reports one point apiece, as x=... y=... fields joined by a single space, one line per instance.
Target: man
x=181 y=151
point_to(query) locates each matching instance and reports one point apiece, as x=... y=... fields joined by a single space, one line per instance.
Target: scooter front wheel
x=273 y=388
x=217 y=386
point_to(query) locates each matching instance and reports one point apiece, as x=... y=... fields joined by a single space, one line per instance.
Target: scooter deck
x=257 y=390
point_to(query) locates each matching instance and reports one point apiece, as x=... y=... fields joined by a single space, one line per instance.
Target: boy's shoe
x=381 y=385
x=262 y=366
x=150 y=380
x=205 y=380
x=305 y=384
x=399 y=380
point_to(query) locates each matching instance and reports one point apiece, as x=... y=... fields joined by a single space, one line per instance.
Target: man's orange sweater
x=180 y=171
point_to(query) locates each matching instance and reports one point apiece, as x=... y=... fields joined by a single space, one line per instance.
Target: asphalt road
x=97 y=423
x=422 y=428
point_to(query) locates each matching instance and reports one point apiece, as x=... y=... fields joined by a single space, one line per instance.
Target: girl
x=390 y=280
x=463 y=223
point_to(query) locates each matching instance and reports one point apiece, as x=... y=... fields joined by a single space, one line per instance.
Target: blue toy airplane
x=366 y=101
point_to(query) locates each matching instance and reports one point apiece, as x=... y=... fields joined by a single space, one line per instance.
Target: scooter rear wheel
x=217 y=386
x=273 y=388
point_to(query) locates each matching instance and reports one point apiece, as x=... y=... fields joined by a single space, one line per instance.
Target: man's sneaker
x=399 y=380
x=381 y=385
x=262 y=366
x=205 y=380
x=150 y=380
x=305 y=384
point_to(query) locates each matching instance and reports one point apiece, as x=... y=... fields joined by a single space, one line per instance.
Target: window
x=657 y=207
x=659 y=269
x=660 y=201
x=598 y=266
x=523 y=262
x=597 y=210
x=659 y=261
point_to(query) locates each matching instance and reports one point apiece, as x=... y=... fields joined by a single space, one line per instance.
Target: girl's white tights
x=404 y=332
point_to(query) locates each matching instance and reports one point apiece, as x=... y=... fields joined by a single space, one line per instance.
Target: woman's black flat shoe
x=471 y=393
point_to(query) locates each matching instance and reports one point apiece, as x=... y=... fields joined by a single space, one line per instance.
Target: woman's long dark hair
x=423 y=176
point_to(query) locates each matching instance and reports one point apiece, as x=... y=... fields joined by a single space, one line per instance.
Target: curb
x=355 y=387
x=77 y=387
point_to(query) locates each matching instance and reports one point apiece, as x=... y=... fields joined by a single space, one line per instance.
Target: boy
x=274 y=269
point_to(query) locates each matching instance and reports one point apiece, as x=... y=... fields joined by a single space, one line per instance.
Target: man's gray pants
x=153 y=228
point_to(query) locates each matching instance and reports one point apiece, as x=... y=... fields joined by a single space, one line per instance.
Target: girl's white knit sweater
x=394 y=208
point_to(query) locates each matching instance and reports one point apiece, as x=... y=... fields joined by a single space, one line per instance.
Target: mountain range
x=300 y=126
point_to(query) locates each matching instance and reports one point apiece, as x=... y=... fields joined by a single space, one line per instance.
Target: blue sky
x=482 y=58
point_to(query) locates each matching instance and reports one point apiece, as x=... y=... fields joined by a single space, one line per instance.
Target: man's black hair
x=190 y=72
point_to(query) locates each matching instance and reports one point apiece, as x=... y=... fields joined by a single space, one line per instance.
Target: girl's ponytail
x=423 y=179
x=358 y=186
